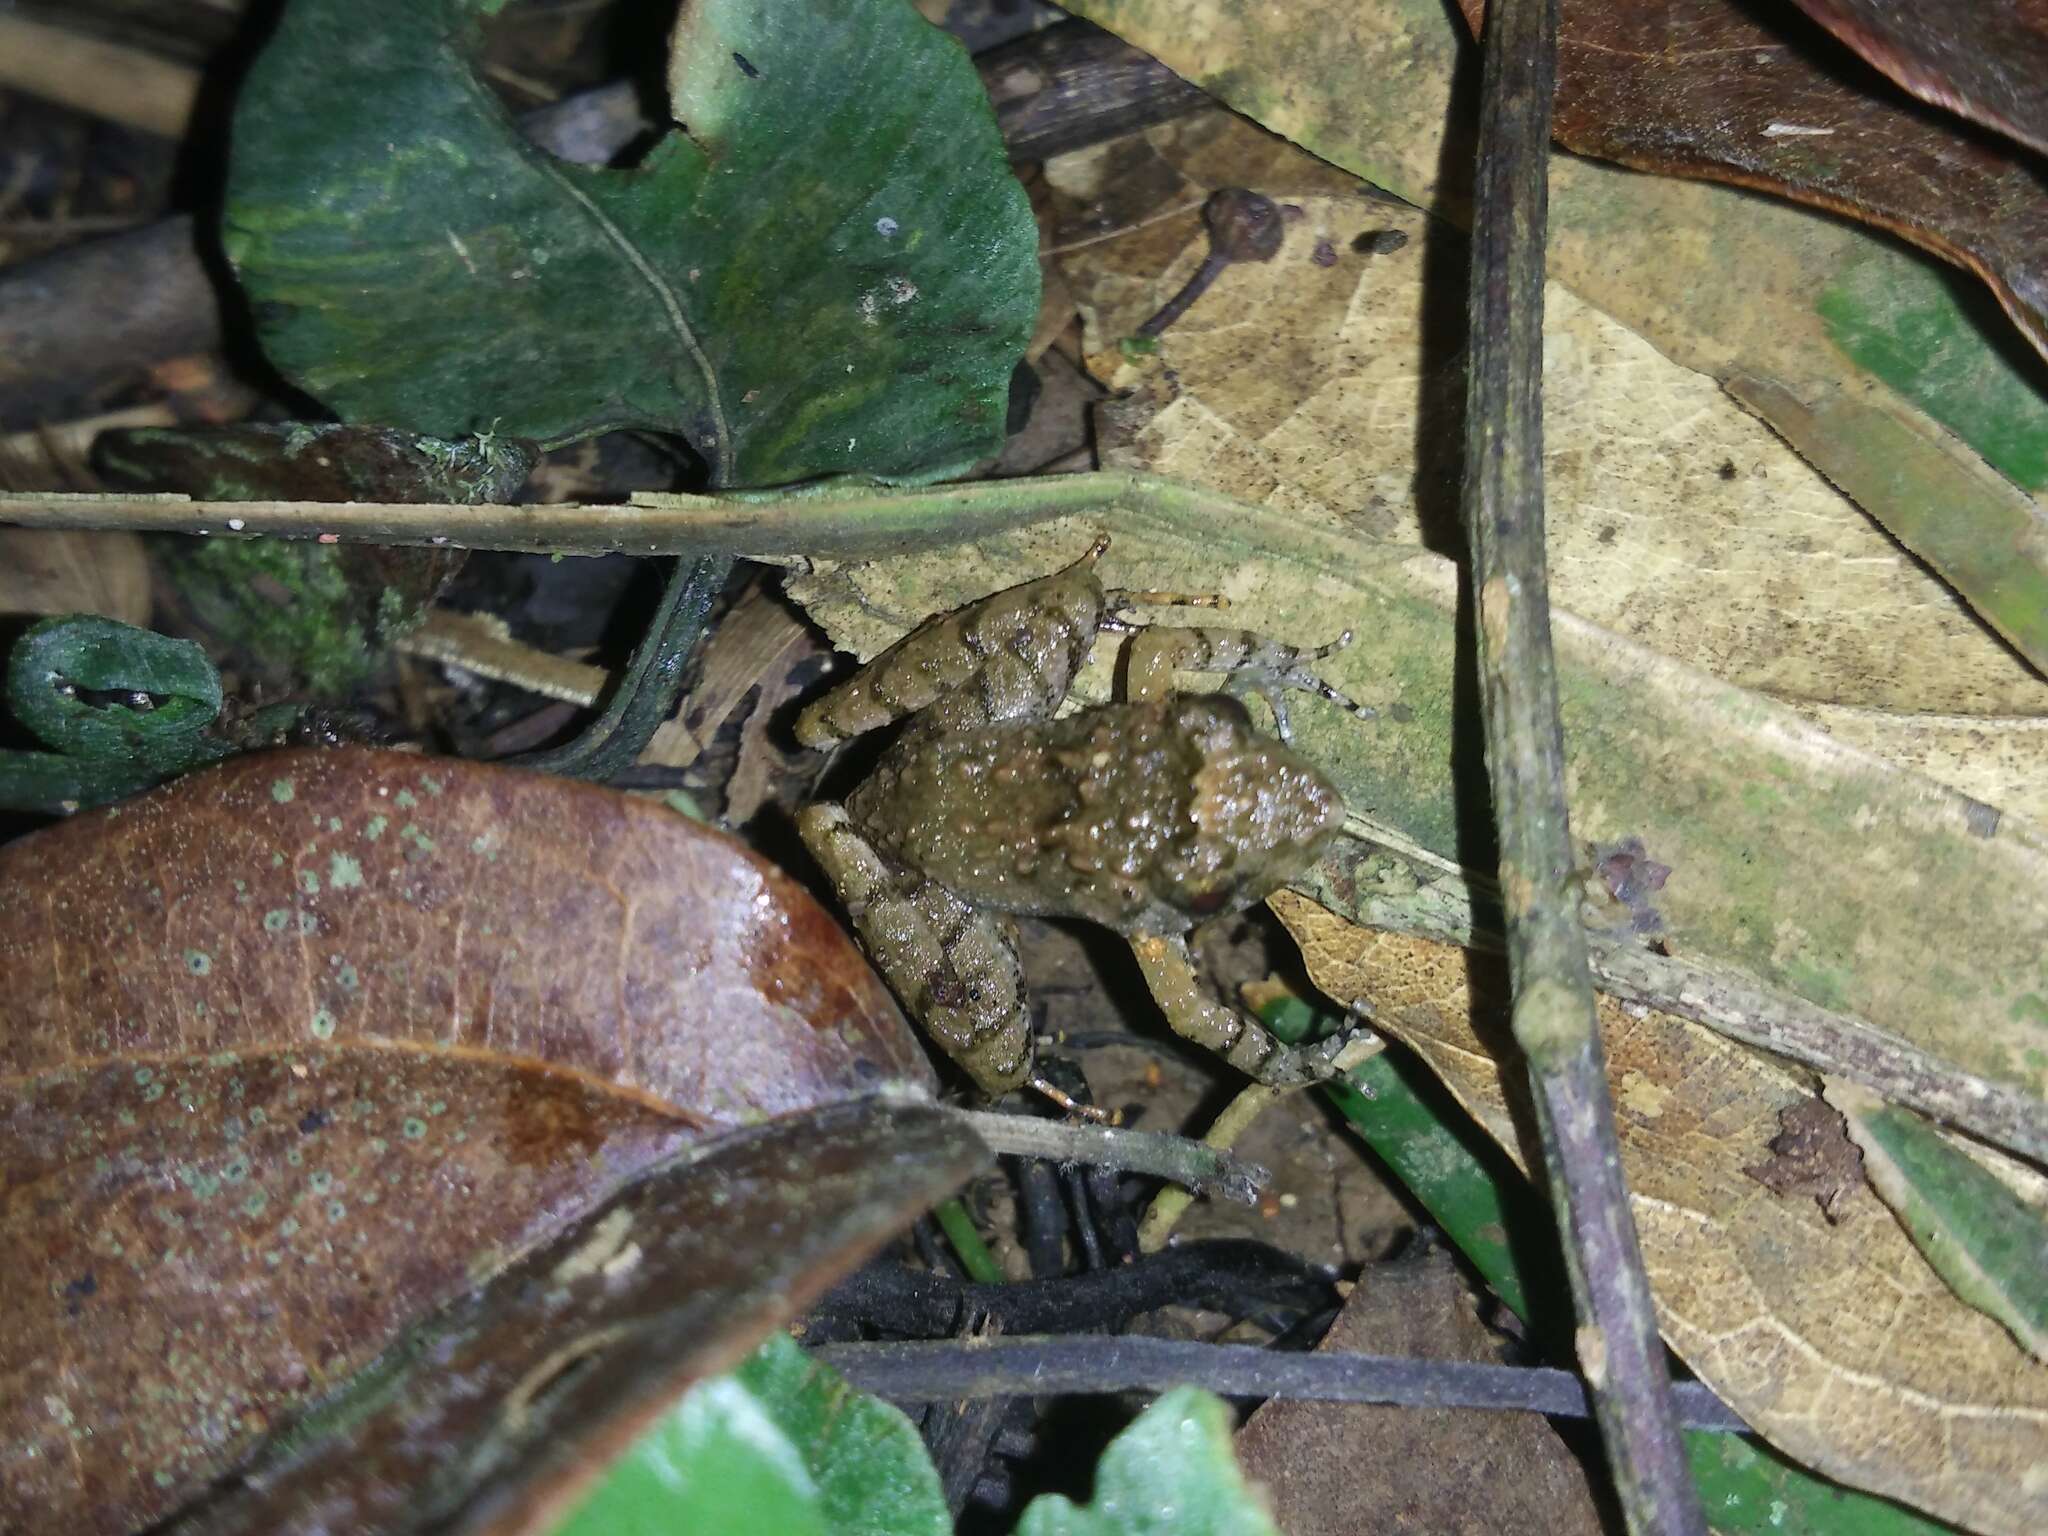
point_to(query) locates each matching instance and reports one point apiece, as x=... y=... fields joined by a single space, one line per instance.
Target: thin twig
x=1170 y=1204
x=1166 y=1157
x=1396 y=886
x=948 y=1371
x=1554 y=1020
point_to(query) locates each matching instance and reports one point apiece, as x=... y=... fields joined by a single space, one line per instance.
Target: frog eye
x=1207 y=903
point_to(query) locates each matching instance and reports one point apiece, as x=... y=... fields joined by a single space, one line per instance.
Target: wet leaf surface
x=833 y=269
x=495 y=1416
x=1170 y=1474
x=1703 y=88
x=304 y=1045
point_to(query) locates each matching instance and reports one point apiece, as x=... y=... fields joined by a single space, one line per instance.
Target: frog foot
x=1292 y=1066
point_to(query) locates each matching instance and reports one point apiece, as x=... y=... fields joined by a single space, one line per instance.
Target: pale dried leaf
x=58 y=570
x=1831 y=1337
x=1327 y=383
x=1850 y=345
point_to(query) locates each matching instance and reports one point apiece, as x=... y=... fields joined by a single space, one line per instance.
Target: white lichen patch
x=606 y=1242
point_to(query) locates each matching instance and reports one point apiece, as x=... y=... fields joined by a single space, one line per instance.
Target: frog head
x=1261 y=813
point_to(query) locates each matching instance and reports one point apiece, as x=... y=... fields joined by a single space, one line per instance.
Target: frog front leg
x=1249 y=662
x=953 y=966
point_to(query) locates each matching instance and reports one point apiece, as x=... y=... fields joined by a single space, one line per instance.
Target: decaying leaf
x=1707 y=88
x=1326 y=383
x=1859 y=352
x=1831 y=1338
x=302 y=1046
x=832 y=269
x=313 y=461
x=301 y=615
x=494 y=1417
x=1986 y=59
x=1449 y=1471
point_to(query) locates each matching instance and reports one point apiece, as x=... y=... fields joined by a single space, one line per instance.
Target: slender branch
x=948 y=1371
x=1433 y=898
x=1554 y=1020
x=1186 y=1162
x=1252 y=1101
x=837 y=519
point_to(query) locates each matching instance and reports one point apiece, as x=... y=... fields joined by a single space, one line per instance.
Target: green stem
x=980 y=1264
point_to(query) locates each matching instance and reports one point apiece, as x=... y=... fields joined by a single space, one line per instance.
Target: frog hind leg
x=953 y=966
x=1009 y=656
x=1249 y=662
x=1195 y=1015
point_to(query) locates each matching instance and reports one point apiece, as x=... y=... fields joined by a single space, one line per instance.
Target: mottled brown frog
x=1146 y=816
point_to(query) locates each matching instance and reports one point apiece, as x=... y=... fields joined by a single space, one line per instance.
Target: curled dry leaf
x=302 y=1046
x=1985 y=59
x=1830 y=1336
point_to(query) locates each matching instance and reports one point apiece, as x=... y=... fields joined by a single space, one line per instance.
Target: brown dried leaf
x=1832 y=1338
x=1985 y=59
x=300 y=1047
x=494 y=1416
x=1701 y=88
x=1447 y=1471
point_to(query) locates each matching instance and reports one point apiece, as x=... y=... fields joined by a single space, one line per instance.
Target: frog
x=1146 y=815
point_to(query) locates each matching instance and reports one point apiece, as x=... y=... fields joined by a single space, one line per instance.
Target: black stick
x=1554 y=1020
x=948 y=1371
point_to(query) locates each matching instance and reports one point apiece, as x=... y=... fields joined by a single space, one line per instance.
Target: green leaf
x=1172 y=1473
x=1978 y=1234
x=74 y=681
x=781 y=1447
x=58 y=663
x=832 y=270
